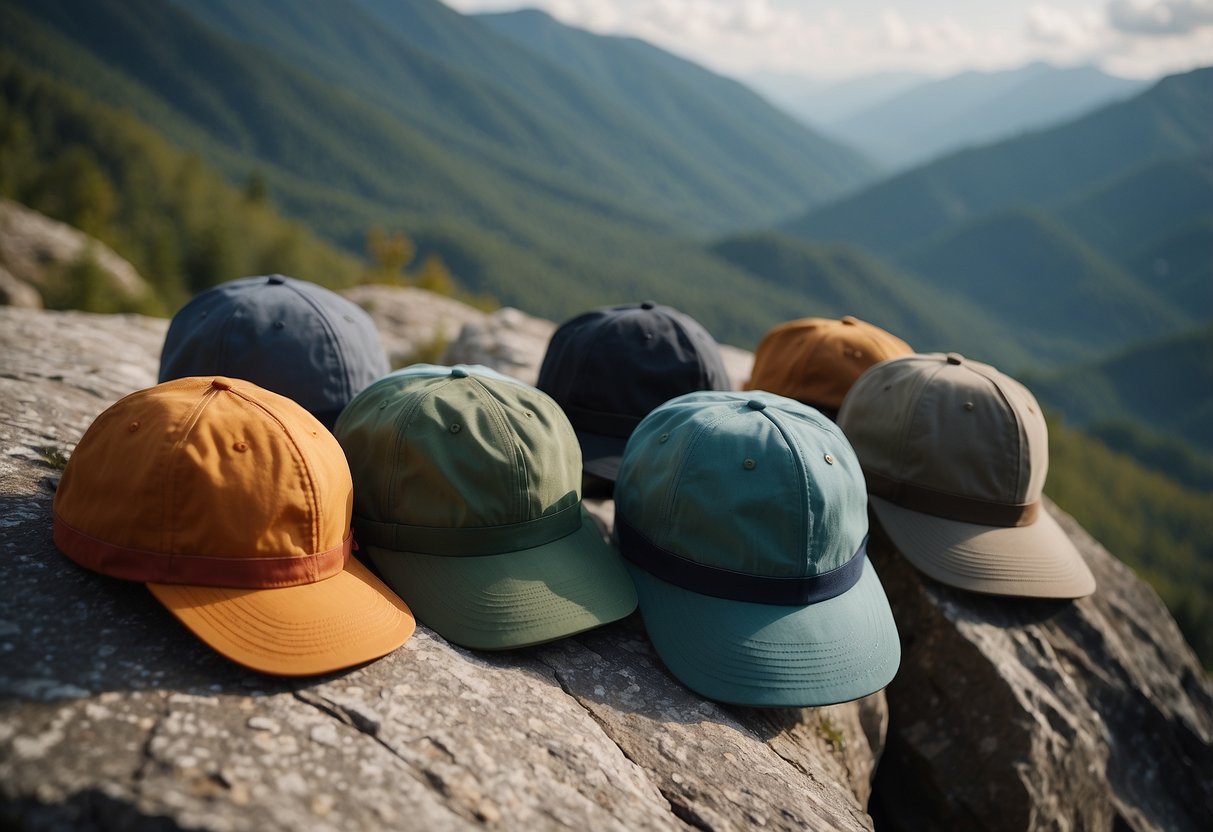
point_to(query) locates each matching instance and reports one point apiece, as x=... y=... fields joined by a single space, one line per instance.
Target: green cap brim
x=769 y=655
x=514 y=599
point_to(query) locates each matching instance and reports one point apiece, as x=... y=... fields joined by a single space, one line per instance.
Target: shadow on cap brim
x=770 y=655
x=302 y=630
x=600 y=455
x=1036 y=561
x=514 y=599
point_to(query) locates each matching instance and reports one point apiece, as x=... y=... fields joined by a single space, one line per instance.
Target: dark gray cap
x=609 y=367
x=290 y=336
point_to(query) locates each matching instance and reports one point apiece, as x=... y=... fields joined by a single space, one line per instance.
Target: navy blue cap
x=609 y=367
x=290 y=336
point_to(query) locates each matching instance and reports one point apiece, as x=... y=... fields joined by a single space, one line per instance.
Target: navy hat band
x=733 y=585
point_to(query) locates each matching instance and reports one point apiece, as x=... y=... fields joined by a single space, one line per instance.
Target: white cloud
x=938 y=36
x=1053 y=26
x=1160 y=17
x=840 y=38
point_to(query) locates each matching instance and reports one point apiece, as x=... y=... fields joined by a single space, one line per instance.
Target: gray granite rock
x=509 y=341
x=14 y=292
x=37 y=250
x=113 y=716
x=414 y=325
x=1013 y=714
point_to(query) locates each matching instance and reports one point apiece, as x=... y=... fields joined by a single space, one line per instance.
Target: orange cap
x=816 y=360
x=233 y=504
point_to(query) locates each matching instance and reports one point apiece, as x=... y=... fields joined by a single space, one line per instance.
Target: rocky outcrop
x=115 y=717
x=40 y=252
x=14 y=292
x=414 y=325
x=1005 y=714
x=514 y=343
x=1014 y=714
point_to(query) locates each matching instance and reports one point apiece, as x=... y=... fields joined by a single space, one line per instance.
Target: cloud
x=1160 y=17
x=1052 y=26
x=944 y=35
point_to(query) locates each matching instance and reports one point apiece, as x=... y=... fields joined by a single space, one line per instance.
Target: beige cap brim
x=303 y=630
x=1036 y=561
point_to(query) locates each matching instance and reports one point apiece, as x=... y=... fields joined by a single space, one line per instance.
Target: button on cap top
x=955 y=358
x=275 y=280
x=220 y=384
x=458 y=372
x=754 y=404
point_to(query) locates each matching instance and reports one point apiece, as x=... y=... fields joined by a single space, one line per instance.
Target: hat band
x=950 y=506
x=618 y=425
x=201 y=570
x=737 y=586
x=467 y=541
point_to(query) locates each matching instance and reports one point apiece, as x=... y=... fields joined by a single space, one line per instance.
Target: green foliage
x=1155 y=525
x=53 y=457
x=1165 y=385
x=85 y=285
x=1144 y=205
x=1178 y=266
x=831 y=734
x=839 y=280
x=1164 y=454
x=180 y=225
x=1060 y=297
x=554 y=235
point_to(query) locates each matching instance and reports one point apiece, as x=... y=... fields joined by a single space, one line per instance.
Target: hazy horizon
x=829 y=41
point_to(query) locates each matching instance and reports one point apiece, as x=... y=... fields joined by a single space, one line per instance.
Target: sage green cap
x=467 y=499
x=743 y=517
x=956 y=454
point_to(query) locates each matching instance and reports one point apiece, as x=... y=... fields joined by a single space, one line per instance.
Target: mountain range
x=555 y=169
x=943 y=115
x=534 y=184
x=823 y=103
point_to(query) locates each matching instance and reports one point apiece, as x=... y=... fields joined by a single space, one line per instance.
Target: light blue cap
x=744 y=520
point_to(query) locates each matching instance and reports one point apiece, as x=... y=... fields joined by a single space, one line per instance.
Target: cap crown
x=751 y=482
x=290 y=336
x=816 y=360
x=458 y=447
x=609 y=367
x=951 y=425
x=206 y=481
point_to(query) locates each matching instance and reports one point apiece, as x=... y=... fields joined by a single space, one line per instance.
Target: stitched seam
x=174 y=461
x=496 y=412
x=301 y=467
x=1020 y=429
x=797 y=452
x=344 y=378
x=667 y=510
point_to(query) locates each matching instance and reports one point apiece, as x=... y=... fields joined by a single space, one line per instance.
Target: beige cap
x=955 y=454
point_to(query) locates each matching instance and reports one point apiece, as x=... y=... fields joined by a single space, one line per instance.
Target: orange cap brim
x=303 y=630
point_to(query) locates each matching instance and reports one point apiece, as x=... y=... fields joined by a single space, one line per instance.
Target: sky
x=839 y=39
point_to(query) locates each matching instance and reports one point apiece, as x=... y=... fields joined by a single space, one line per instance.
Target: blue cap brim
x=769 y=655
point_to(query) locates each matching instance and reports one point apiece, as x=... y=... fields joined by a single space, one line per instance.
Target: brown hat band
x=200 y=570
x=950 y=506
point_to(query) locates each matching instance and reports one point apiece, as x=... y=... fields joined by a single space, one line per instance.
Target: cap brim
x=771 y=655
x=600 y=455
x=302 y=630
x=515 y=599
x=1036 y=561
